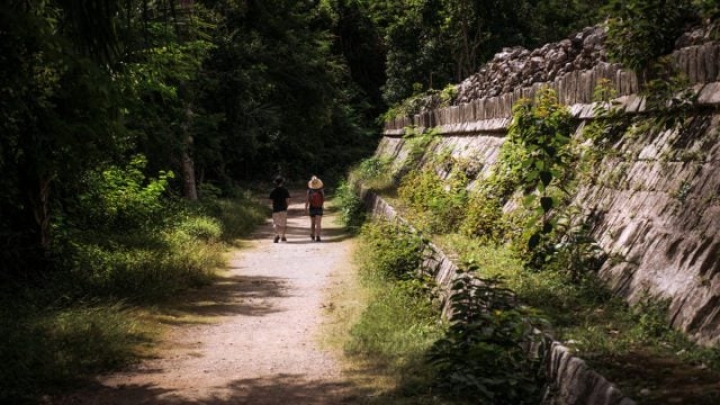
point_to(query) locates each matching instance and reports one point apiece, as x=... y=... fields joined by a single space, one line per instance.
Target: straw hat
x=315 y=183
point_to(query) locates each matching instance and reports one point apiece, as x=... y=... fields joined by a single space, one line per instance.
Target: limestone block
x=454 y=112
x=576 y=110
x=417 y=120
x=710 y=94
x=571 y=89
x=694 y=73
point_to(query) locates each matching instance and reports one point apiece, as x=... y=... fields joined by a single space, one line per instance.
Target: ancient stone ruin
x=654 y=202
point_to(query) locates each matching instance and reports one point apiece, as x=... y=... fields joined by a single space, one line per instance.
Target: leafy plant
x=485 y=352
x=352 y=208
x=373 y=172
x=120 y=197
x=425 y=192
x=419 y=142
x=396 y=252
x=543 y=130
x=576 y=251
x=671 y=98
x=640 y=31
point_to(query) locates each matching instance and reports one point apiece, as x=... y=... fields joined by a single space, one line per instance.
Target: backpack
x=316 y=198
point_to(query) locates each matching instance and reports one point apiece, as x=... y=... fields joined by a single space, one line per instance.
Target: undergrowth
x=401 y=320
x=94 y=313
x=518 y=223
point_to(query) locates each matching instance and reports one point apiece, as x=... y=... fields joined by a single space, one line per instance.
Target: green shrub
x=640 y=31
x=484 y=354
x=483 y=218
x=438 y=205
x=238 y=216
x=168 y=264
x=203 y=228
x=118 y=198
x=401 y=320
x=352 y=209
x=373 y=173
x=395 y=252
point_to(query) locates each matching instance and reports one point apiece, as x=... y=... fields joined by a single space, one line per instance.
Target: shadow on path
x=230 y=295
x=279 y=389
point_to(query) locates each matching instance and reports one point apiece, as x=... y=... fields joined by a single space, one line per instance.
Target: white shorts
x=279 y=220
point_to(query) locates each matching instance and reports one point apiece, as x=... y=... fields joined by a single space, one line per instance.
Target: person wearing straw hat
x=314 y=206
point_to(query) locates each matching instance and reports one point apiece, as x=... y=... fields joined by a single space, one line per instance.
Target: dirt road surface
x=262 y=346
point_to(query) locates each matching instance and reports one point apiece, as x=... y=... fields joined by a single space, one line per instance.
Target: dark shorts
x=314 y=212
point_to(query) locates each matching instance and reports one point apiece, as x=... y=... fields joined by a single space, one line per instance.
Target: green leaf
x=529 y=199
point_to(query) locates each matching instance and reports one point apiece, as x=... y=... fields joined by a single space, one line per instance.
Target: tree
x=58 y=112
x=282 y=93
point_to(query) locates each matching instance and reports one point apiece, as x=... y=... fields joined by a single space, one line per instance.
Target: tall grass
x=91 y=314
x=399 y=323
x=608 y=333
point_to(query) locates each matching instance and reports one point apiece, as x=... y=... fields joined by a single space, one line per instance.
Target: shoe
x=317 y=239
x=284 y=239
x=277 y=238
x=312 y=237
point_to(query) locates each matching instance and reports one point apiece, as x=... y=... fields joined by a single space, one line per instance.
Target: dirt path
x=262 y=347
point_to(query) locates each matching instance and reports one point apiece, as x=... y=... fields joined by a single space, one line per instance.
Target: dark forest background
x=134 y=135
x=183 y=99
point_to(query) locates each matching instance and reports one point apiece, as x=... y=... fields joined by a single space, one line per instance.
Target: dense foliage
x=431 y=43
x=203 y=93
x=642 y=31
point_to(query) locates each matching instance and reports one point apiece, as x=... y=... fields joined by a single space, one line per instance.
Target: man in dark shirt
x=280 y=197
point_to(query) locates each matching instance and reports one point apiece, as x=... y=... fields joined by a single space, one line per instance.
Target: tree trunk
x=40 y=200
x=188 y=164
x=188 y=168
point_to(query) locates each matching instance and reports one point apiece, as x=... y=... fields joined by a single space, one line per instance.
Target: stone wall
x=699 y=63
x=570 y=380
x=655 y=201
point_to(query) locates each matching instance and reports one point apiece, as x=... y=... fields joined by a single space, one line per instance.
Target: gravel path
x=262 y=347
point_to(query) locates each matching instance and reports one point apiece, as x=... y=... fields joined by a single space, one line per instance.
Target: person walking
x=314 y=206
x=280 y=197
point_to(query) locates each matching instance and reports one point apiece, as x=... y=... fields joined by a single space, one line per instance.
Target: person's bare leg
x=318 y=226
x=312 y=227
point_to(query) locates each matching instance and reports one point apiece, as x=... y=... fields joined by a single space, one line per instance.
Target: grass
x=49 y=348
x=108 y=307
x=383 y=328
x=633 y=347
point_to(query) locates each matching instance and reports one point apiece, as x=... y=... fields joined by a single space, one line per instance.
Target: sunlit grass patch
x=386 y=323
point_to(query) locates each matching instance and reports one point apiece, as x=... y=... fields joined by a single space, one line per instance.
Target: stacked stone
x=518 y=67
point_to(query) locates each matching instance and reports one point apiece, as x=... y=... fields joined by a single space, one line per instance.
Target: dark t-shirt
x=279 y=197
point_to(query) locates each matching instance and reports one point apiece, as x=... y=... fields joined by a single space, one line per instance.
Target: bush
x=373 y=173
x=118 y=198
x=352 y=208
x=396 y=253
x=640 y=31
x=437 y=205
x=401 y=320
x=485 y=352
x=203 y=228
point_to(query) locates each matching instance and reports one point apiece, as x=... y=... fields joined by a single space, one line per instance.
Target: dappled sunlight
x=289 y=389
x=229 y=296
